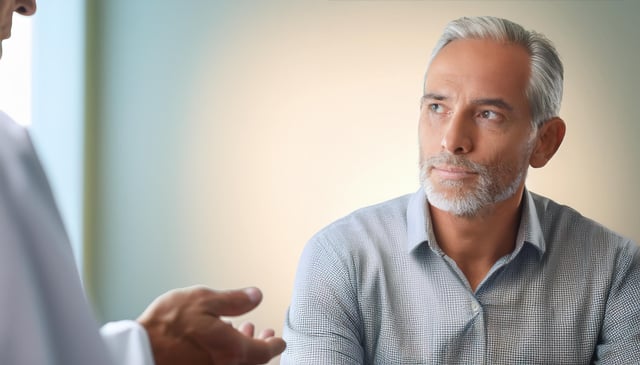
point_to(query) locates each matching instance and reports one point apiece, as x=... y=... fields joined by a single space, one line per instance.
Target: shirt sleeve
x=127 y=343
x=620 y=337
x=323 y=324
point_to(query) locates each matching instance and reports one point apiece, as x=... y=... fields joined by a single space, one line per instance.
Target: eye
x=436 y=108
x=488 y=114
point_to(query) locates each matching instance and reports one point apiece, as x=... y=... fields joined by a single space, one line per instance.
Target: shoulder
x=19 y=162
x=13 y=137
x=24 y=188
x=363 y=240
x=369 y=231
x=372 y=220
x=564 y=226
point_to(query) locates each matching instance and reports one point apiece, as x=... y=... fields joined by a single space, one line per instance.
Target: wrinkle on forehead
x=481 y=69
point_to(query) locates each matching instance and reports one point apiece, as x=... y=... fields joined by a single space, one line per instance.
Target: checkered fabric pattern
x=375 y=288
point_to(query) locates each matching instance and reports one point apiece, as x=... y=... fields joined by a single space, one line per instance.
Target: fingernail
x=254 y=294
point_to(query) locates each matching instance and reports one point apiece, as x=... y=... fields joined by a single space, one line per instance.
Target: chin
x=461 y=208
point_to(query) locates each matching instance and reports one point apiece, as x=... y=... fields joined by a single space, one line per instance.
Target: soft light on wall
x=228 y=136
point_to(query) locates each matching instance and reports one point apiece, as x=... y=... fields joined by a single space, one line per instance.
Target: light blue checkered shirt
x=375 y=288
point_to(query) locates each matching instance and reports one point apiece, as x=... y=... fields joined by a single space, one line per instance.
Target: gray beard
x=470 y=203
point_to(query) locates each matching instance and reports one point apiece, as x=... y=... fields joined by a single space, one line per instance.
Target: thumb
x=233 y=302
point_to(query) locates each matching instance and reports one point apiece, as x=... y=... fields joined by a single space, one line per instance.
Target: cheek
x=428 y=135
x=509 y=156
x=426 y=131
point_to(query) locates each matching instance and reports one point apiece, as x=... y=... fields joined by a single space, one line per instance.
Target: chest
x=523 y=313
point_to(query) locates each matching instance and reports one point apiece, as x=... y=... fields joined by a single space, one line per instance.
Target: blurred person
x=45 y=317
x=473 y=268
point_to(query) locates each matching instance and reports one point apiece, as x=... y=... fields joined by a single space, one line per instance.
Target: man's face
x=475 y=131
x=7 y=7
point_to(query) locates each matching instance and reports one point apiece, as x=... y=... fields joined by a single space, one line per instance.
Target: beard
x=495 y=183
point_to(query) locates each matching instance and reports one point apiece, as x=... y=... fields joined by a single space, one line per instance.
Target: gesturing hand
x=184 y=327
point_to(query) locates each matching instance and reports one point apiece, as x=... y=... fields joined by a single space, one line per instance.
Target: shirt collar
x=418 y=220
x=419 y=228
x=530 y=230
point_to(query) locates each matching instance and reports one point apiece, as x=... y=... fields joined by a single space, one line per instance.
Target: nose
x=456 y=137
x=25 y=7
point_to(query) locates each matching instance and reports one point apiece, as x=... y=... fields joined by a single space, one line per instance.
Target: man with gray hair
x=473 y=268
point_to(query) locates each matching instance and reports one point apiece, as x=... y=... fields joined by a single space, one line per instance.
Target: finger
x=232 y=302
x=276 y=345
x=245 y=349
x=247 y=329
x=266 y=333
x=261 y=351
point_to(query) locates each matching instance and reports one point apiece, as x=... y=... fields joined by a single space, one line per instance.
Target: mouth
x=446 y=172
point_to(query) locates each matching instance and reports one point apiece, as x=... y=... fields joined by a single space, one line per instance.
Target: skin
x=184 y=325
x=474 y=132
x=7 y=8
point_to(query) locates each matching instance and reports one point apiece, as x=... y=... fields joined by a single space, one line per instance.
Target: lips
x=454 y=169
x=452 y=172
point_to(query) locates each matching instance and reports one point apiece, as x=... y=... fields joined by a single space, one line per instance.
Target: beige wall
x=228 y=132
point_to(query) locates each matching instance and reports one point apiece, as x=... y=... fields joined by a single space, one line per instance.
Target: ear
x=548 y=140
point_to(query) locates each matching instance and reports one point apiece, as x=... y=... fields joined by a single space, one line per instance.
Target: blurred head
x=7 y=8
x=544 y=90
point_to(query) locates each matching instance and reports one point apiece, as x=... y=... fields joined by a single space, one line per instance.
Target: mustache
x=447 y=159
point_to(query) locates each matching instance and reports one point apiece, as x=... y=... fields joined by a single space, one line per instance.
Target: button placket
x=475 y=306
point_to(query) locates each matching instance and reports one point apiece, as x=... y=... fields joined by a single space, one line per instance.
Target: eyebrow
x=497 y=102
x=433 y=96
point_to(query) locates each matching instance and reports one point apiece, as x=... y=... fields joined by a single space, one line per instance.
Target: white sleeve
x=127 y=342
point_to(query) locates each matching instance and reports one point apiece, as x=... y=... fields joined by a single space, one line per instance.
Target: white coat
x=45 y=318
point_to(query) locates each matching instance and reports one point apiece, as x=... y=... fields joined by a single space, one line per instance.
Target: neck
x=476 y=243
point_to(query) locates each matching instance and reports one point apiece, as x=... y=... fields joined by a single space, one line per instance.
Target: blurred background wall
x=218 y=136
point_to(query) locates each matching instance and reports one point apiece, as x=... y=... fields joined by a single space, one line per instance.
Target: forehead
x=482 y=66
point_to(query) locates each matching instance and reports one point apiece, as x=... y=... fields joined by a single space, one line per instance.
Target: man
x=45 y=318
x=473 y=268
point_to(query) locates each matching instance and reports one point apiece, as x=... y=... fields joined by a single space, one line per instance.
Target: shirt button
x=475 y=307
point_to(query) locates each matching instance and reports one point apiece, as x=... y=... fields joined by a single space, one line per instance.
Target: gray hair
x=545 y=83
